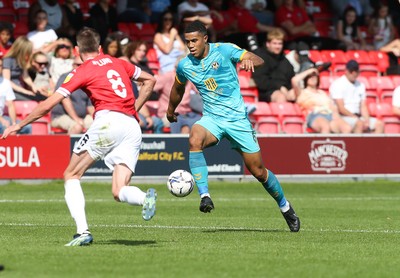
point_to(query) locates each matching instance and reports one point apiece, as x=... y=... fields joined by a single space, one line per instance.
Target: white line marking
x=351 y=199
x=202 y=228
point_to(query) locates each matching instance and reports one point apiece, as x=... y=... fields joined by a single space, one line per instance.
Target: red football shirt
x=297 y=16
x=107 y=82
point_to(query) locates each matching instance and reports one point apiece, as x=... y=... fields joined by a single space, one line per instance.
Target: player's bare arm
x=145 y=90
x=175 y=97
x=42 y=109
x=250 y=61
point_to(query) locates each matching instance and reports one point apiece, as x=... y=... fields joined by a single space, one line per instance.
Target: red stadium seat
x=268 y=125
x=289 y=115
x=326 y=81
x=248 y=89
x=20 y=29
x=382 y=84
x=315 y=56
x=384 y=112
x=263 y=119
x=8 y=15
x=336 y=57
x=380 y=59
x=396 y=80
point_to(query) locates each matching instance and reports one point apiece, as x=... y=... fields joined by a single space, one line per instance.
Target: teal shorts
x=239 y=133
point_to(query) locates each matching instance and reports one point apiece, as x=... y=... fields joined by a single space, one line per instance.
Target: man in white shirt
x=350 y=98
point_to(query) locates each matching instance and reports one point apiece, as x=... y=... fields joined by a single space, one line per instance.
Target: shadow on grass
x=244 y=230
x=127 y=242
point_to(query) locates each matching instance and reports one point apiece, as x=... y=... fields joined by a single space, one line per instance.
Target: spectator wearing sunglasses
x=62 y=60
x=39 y=73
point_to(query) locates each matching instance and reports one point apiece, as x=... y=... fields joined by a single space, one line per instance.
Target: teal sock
x=274 y=189
x=198 y=167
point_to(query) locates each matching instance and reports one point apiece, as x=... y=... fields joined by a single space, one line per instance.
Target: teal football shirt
x=216 y=79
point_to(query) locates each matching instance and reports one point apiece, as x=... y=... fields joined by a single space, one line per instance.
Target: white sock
x=132 y=195
x=76 y=204
x=285 y=208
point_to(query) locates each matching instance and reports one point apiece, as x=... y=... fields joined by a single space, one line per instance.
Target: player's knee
x=195 y=143
x=260 y=173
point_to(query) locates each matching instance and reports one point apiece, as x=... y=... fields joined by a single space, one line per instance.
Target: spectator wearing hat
x=350 y=98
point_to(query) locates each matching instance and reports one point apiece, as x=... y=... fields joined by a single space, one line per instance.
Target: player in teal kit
x=211 y=67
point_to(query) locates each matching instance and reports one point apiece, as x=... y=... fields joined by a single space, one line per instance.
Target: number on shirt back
x=116 y=83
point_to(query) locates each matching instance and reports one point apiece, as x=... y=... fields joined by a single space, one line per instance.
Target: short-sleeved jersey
x=216 y=79
x=353 y=94
x=107 y=82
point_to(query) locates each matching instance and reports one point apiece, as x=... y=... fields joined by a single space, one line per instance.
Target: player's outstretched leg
x=149 y=205
x=274 y=188
x=198 y=167
x=82 y=239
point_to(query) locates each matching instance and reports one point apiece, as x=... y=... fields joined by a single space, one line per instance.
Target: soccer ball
x=180 y=183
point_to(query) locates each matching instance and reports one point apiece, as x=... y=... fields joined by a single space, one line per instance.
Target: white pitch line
x=202 y=228
x=216 y=199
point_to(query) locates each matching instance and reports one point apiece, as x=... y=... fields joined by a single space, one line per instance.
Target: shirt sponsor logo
x=327 y=155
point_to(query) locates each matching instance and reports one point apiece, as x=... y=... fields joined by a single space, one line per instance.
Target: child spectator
x=381 y=27
x=6 y=32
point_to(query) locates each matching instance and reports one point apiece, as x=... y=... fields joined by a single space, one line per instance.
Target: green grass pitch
x=348 y=230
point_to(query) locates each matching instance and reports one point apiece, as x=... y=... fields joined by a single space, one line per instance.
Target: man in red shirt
x=114 y=135
x=294 y=20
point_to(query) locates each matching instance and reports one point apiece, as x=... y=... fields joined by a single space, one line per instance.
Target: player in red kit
x=115 y=134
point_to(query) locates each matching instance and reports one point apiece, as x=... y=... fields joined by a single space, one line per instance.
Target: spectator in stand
x=74 y=17
x=15 y=69
x=200 y=10
x=273 y=78
x=103 y=18
x=191 y=10
x=133 y=11
x=294 y=20
x=396 y=101
x=112 y=45
x=393 y=51
x=321 y=113
x=6 y=31
x=168 y=44
x=348 y=31
x=7 y=98
x=150 y=123
x=157 y=7
x=43 y=38
x=190 y=109
x=296 y=23
x=381 y=27
x=73 y=114
x=57 y=19
x=248 y=26
x=363 y=9
x=258 y=9
x=39 y=73
x=350 y=98
x=62 y=60
x=224 y=23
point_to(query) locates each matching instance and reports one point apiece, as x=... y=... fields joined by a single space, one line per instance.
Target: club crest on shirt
x=215 y=65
